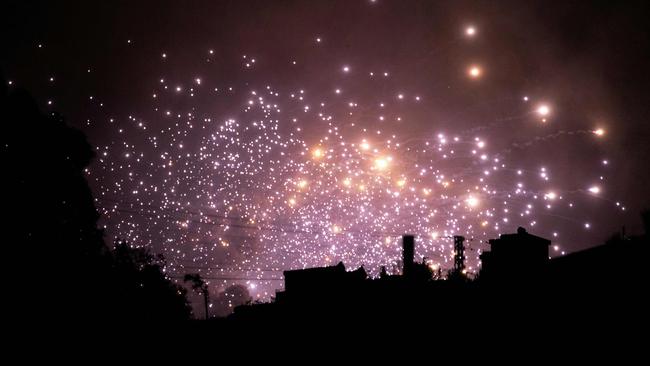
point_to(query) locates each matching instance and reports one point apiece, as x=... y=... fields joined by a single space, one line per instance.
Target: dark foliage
x=56 y=247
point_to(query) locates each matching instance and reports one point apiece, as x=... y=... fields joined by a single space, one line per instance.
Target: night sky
x=241 y=138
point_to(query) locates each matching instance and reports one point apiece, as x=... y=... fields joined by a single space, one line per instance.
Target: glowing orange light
x=381 y=163
x=317 y=153
x=474 y=72
x=543 y=110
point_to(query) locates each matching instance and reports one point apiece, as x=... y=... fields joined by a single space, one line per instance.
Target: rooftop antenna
x=459 y=254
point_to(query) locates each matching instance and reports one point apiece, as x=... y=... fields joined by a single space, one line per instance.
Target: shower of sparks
x=303 y=177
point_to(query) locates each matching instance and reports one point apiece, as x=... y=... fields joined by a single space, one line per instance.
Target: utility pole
x=206 y=299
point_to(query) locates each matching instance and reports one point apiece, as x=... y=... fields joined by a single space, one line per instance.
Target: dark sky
x=586 y=60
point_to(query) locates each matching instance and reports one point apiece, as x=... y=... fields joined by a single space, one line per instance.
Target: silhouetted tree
x=56 y=245
x=145 y=289
x=199 y=285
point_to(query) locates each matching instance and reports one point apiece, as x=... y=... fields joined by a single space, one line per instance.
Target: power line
x=276 y=228
x=229 y=278
x=231 y=269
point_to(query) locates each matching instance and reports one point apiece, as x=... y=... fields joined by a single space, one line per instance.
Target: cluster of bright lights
x=291 y=180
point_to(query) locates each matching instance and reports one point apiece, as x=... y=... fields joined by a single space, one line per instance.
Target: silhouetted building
x=620 y=262
x=598 y=278
x=520 y=256
x=320 y=282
